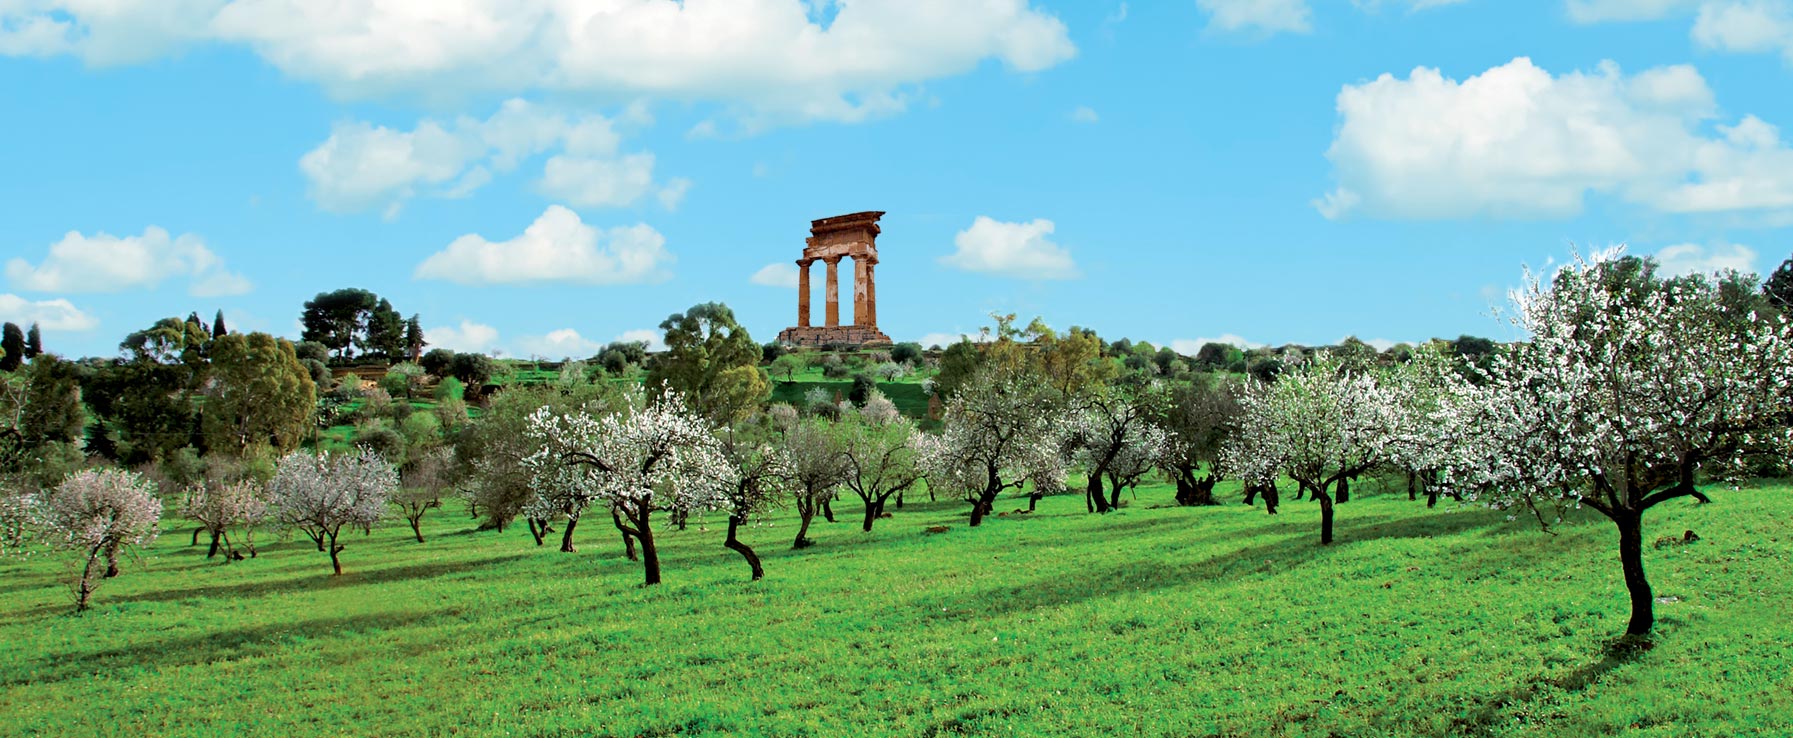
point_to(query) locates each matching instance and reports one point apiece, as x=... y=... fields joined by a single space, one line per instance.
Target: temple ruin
x=853 y=237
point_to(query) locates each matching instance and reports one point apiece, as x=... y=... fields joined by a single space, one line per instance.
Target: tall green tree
x=12 y=342
x=52 y=412
x=260 y=395
x=338 y=320
x=34 y=342
x=218 y=329
x=385 y=332
x=712 y=361
x=414 y=341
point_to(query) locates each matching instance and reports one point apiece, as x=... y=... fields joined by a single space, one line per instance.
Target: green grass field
x=1155 y=620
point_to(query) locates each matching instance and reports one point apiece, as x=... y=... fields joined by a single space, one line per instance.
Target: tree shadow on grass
x=1617 y=653
x=1283 y=554
x=323 y=578
x=211 y=648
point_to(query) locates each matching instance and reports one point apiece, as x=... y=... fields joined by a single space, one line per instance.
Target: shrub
x=863 y=387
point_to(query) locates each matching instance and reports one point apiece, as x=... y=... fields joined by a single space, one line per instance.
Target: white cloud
x=1021 y=250
x=1689 y=258
x=1192 y=346
x=557 y=247
x=944 y=340
x=1084 y=114
x=565 y=343
x=51 y=315
x=1739 y=26
x=1516 y=141
x=648 y=336
x=362 y=166
x=779 y=274
x=787 y=56
x=1266 y=16
x=107 y=263
x=1599 y=11
x=469 y=337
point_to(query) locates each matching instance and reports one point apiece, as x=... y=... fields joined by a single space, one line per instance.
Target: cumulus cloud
x=1021 y=250
x=1084 y=114
x=1691 y=258
x=801 y=58
x=1265 y=16
x=106 y=263
x=469 y=337
x=1739 y=26
x=1516 y=141
x=557 y=247
x=561 y=344
x=51 y=315
x=363 y=166
x=780 y=274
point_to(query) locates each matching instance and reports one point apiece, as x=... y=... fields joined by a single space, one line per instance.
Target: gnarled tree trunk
x=734 y=544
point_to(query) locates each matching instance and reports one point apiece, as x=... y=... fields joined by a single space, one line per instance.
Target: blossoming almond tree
x=320 y=495
x=97 y=514
x=762 y=471
x=1113 y=425
x=660 y=456
x=880 y=462
x=815 y=452
x=217 y=506
x=1000 y=431
x=1318 y=423
x=1631 y=391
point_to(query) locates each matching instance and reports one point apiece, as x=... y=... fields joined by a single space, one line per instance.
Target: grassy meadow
x=1155 y=621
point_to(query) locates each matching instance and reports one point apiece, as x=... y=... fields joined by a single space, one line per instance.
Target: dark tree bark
x=213 y=549
x=112 y=560
x=1251 y=493
x=828 y=510
x=1631 y=561
x=1094 y=489
x=416 y=527
x=1412 y=486
x=806 y=511
x=650 y=555
x=1344 y=491
x=566 y=536
x=628 y=538
x=335 y=562
x=1325 y=514
x=1033 y=501
x=734 y=544
x=538 y=529
x=1272 y=498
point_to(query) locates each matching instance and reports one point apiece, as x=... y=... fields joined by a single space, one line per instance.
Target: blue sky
x=538 y=177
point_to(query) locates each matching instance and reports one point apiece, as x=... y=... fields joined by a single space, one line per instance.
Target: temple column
x=871 y=294
x=803 y=292
x=832 y=309
x=861 y=314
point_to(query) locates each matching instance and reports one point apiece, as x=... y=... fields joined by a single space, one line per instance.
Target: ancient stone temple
x=853 y=237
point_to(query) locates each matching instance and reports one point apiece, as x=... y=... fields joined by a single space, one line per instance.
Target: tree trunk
x=1631 y=560
x=1412 y=486
x=805 y=513
x=566 y=536
x=899 y=500
x=417 y=528
x=1251 y=493
x=1344 y=491
x=1325 y=514
x=1033 y=501
x=734 y=544
x=213 y=550
x=1097 y=499
x=112 y=560
x=1114 y=494
x=1272 y=498
x=196 y=532
x=538 y=529
x=650 y=556
x=628 y=538
x=828 y=510
x=84 y=589
x=1431 y=496
x=335 y=563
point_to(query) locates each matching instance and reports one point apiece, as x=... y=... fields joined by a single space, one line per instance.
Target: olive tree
x=661 y=456
x=1198 y=418
x=320 y=495
x=816 y=453
x=97 y=514
x=881 y=462
x=1318 y=424
x=1632 y=391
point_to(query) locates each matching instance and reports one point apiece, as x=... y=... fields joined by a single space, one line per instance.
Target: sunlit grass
x=1150 y=621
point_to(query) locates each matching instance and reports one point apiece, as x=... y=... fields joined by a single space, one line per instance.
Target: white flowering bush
x=661 y=456
x=97 y=514
x=322 y=495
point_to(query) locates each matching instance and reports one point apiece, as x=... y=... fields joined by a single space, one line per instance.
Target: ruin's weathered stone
x=853 y=237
